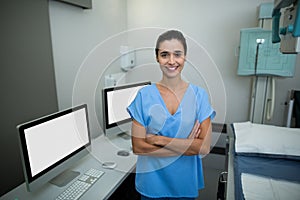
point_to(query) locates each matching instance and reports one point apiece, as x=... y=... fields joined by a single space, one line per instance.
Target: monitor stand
x=124 y=135
x=64 y=178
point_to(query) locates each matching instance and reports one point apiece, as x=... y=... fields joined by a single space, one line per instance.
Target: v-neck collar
x=164 y=103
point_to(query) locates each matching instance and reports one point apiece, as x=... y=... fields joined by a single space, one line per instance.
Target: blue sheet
x=284 y=169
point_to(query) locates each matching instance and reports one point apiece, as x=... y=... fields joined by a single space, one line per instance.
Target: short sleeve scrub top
x=175 y=176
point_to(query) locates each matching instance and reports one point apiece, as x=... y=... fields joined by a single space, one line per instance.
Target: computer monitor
x=116 y=99
x=52 y=144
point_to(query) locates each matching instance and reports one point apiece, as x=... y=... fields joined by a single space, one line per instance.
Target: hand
x=195 y=131
x=153 y=139
x=150 y=138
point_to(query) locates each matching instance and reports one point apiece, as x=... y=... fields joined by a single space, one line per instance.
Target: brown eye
x=178 y=54
x=164 y=54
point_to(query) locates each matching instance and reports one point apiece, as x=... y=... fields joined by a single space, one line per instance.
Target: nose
x=171 y=59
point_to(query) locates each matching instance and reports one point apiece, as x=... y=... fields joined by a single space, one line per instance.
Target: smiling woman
x=171 y=57
x=171 y=127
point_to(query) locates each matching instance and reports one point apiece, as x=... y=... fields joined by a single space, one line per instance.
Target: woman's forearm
x=198 y=142
x=187 y=146
x=182 y=146
x=141 y=147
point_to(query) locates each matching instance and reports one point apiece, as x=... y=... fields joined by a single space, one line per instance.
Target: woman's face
x=171 y=57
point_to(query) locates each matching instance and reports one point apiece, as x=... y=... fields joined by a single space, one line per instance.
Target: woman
x=171 y=128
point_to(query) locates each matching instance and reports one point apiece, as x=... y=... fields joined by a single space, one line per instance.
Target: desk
x=102 y=149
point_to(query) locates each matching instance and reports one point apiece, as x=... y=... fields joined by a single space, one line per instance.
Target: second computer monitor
x=116 y=99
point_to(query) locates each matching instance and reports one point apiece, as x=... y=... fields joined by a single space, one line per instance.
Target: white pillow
x=266 y=139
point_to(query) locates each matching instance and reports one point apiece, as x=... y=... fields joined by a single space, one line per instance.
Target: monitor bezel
x=105 y=91
x=29 y=178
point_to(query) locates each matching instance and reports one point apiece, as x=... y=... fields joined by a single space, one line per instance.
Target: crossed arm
x=198 y=141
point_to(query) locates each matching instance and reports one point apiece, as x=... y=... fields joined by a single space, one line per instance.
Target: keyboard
x=81 y=185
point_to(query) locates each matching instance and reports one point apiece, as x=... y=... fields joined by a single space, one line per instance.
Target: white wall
x=75 y=35
x=86 y=47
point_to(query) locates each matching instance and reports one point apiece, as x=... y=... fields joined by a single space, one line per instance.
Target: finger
x=149 y=135
x=194 y=131
x=198 y=132
x=194 y=127
x=197 y=126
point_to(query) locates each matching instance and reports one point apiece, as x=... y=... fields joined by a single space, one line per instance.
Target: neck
x=174 y=84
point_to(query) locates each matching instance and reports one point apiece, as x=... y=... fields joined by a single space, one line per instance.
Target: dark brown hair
x=169 y=35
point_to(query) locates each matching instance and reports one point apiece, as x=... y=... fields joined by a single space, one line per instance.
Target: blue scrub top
x=176 y=176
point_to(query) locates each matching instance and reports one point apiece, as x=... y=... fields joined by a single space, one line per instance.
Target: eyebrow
x=178 y=51
x=165 y=51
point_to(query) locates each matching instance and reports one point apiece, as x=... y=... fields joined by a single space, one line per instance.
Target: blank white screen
x=118 y=101
x=51 y=141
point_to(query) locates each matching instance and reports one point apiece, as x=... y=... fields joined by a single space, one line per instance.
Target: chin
x=172 y=75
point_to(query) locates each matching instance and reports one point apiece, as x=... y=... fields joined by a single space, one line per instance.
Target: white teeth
x=172 y=68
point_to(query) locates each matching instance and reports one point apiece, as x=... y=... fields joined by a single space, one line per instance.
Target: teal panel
x=265 y=10
x=270 y=60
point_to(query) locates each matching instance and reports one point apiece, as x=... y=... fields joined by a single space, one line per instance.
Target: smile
x=172 y=68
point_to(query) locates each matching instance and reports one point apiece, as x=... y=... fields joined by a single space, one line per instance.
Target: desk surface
x=103 y=149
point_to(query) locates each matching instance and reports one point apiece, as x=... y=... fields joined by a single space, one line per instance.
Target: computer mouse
x=109 y=165
x=123 y=153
